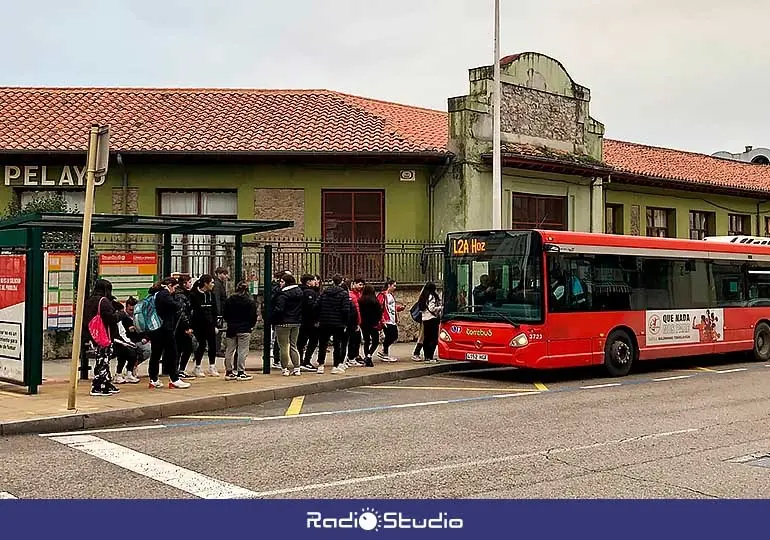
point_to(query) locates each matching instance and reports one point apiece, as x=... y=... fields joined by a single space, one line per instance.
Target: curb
x=79 y=421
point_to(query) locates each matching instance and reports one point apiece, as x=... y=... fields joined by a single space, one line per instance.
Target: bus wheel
x=619 y=353
x=762 y=342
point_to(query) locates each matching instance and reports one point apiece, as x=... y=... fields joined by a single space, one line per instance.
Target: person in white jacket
x=430 y=307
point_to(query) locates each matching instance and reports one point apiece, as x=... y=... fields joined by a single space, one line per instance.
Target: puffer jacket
x=309 y=305
x=334 y=307
x=288 y=306
x=107 y=308
x=204 y=309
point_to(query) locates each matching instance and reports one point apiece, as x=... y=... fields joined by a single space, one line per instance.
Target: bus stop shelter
x=21 y=271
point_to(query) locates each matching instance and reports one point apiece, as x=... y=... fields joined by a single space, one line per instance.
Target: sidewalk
x=47 y=411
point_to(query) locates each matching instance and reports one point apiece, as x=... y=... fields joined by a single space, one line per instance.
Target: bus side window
x=759 y=284
x=728 y=284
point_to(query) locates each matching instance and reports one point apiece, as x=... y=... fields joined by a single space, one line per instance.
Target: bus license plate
x=478 y=357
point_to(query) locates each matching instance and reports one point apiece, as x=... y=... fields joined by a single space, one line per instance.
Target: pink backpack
x=100 y=334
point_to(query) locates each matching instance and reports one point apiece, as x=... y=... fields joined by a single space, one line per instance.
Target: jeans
x=286 y=336
x=207 y=339
x=354 y=342
x=430 y=343
x=391 y=335
x=163 y=345
x=371 y=341
x=237 y=345
x=338 y=334
x=307 y=342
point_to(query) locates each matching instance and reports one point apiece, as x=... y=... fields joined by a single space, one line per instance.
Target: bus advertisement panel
x=550 y=299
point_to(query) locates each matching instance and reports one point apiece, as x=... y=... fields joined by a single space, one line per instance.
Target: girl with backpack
x=430 y=308
x=204 y=324
x=100 y=324
x=162 y=340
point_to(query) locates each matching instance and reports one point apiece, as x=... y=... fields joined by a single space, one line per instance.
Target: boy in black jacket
x=308 y=331
x=334 y=310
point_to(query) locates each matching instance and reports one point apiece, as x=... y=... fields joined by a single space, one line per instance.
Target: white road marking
x=732 y=370
x=156 y=469
x=599 y=386
x=6 y=495
x=467 y=464
x=674 y=378
x=110 y=430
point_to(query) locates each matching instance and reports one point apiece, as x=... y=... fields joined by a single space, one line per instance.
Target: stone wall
x=281 y=204
x=132 y=198
x=543 y=115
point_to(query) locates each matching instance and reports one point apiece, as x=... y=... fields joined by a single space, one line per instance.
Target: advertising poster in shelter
x=131 y=274
x=58 y=291
x=13 y=269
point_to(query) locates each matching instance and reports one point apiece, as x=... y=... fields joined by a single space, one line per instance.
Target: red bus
x=553 y=299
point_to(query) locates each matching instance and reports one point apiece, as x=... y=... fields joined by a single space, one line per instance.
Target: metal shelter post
x=167 y=245
x=268 y=279
x=238 y=271
x=33 y=315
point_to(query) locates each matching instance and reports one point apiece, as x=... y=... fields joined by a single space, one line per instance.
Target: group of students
x=349 y=315
x=187 y=312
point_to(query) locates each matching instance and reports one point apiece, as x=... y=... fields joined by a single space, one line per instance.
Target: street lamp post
x=497 y=174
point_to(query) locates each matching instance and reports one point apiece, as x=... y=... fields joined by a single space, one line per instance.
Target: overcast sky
x=679 y=73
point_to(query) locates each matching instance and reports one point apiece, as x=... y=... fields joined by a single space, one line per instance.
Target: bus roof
x=744 y=245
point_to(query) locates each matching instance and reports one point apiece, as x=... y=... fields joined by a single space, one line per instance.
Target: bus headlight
x=520 y=341
x=443 y=335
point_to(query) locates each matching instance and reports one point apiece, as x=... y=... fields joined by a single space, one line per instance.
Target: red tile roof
x=679 y=166
x=216 y=120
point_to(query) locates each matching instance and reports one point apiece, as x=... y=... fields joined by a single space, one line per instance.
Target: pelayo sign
x=47 y=176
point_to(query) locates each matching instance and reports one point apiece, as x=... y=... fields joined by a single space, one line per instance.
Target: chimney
x=749 y=149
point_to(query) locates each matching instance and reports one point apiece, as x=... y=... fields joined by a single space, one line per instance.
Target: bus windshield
x=495 y=276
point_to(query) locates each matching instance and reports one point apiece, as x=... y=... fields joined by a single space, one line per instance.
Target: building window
x=613 y=219
x=76 y=200
x=539 y=212
x=701 y=225
x=660 y=222
x=767 y=226
x=198 y=254
x=738 y=224
x=353 y=233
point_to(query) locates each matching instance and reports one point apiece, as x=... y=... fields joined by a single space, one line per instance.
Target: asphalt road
x=673 y=430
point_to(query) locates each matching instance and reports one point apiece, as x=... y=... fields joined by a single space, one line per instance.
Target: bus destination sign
x=468 y=246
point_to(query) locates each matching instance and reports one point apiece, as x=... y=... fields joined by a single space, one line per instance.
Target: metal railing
x=409 y=262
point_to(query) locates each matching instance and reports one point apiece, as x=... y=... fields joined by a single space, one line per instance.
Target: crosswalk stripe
x=156 y=469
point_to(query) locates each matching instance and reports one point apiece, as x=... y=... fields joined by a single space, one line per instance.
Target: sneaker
x=230 y=376
x=320 y=370
x=339 y=370
x=198 y=372
x=368 y=362
x=155 y=384
x=432 y=361
x=212 y=372
x=183 y=375
x=286 y=372
x=416 y=358
x=112 y=389
x=131 y=378
x=179 y=384
x=382 y=355
x=306 y=367
x=389 y=359
x=120 y=379
x=276 y=365
x=242 y=376
x=104 y=392
x=358 y=362
x=297 y=372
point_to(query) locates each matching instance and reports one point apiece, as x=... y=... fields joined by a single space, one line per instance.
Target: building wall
x=541 y=106
x=270 y=192
x=682 y=203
